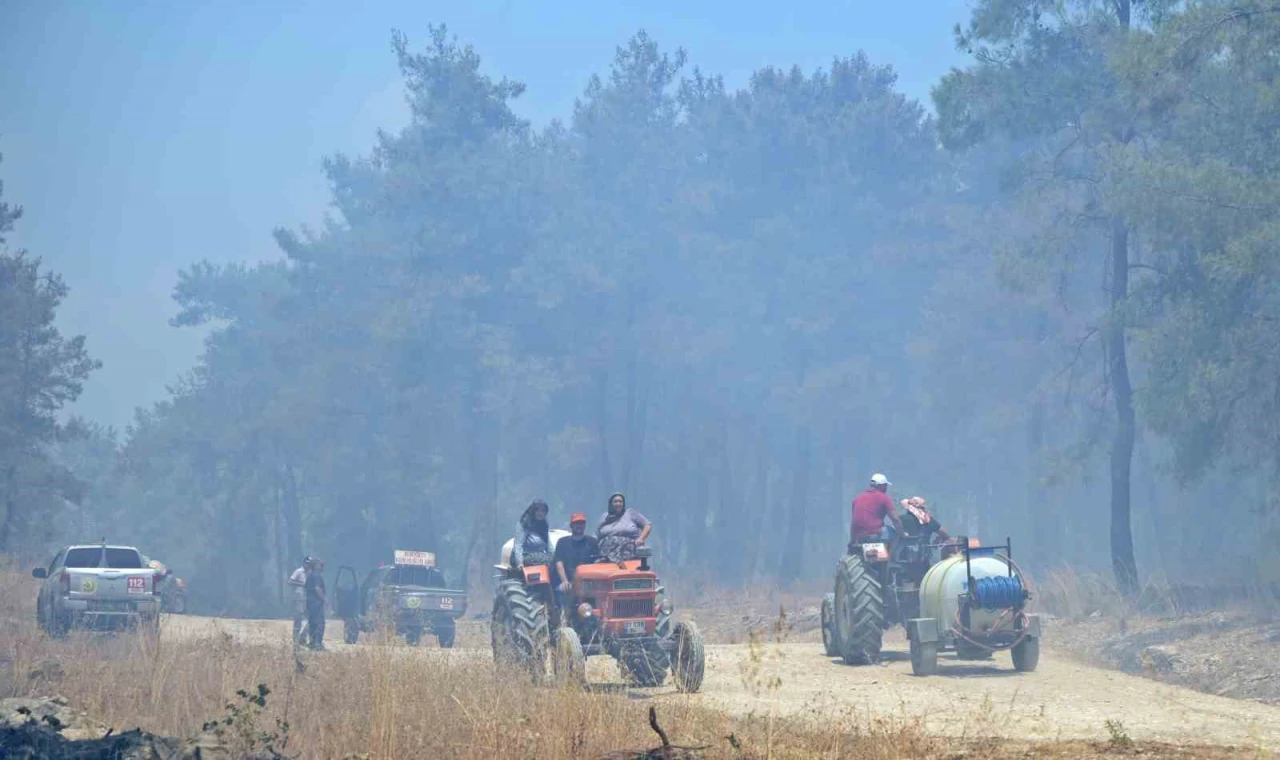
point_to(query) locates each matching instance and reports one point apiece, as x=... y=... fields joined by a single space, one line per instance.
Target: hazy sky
x=143 y=136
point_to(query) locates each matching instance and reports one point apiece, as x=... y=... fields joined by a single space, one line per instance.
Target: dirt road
x=1061 y=700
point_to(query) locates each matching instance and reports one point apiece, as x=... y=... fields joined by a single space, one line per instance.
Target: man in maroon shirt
x=869 y=510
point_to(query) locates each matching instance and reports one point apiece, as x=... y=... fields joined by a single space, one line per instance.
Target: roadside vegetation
x=388 y=701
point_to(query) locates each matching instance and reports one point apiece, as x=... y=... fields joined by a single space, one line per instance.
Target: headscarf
x=609 y=516
x=917 y=506
x=534 y=525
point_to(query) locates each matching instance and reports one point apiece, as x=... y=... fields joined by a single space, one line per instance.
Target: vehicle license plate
x=873 y=550
x=633 y=626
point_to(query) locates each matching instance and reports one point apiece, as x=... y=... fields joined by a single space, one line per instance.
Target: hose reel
x=999 y=593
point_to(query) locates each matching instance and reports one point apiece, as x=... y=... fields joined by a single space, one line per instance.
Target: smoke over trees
x=1051 y=310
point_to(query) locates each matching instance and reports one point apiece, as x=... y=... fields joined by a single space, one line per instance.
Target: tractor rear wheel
x=830 y=641
x=859 y=612
x=518 y=630
x=689 y=658
x=569 y=662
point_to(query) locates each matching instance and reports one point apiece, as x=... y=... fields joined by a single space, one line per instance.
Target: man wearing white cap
x=869 y=510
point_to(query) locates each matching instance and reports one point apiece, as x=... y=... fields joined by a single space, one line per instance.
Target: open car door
x=346 y=594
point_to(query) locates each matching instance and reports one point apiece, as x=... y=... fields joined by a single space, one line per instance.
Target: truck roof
x=99 y=546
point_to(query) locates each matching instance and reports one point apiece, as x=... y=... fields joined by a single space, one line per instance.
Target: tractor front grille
x=633 y=584
x=633 y=608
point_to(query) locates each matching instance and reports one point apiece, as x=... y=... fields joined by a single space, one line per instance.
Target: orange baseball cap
x=577 y=517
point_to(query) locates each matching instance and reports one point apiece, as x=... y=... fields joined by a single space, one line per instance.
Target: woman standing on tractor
x=622 y=529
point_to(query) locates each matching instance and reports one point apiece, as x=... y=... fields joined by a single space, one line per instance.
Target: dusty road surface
x=1060 y=700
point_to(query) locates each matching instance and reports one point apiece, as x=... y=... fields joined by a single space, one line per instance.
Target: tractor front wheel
x=643 y=665
x=569 y=662
x=830 y=640
x=859 y=612
x=689 y=658
x=662 y=610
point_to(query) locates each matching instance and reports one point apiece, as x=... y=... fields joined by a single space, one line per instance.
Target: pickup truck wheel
x=413 y=637
x=350 y=630
x=446 y=635
x=60 y=625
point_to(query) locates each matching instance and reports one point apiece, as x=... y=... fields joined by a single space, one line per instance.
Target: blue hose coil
x=1000 y=592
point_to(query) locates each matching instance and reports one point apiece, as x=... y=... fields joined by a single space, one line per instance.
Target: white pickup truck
x=98 y=586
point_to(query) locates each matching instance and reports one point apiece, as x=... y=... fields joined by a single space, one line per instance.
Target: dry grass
x=1073 y=595
x=389 y=701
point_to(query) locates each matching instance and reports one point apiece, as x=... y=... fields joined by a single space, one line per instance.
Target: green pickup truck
x=410 y=594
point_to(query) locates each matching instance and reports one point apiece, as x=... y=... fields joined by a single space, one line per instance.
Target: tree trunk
x=841 y=507
x=602 y=430
x=282 y=564
x=758 y=512
x=637 y=414
x=292 y=516
x=10 y=506
x=1122 y=559
x=729 y=535
x=793 y=550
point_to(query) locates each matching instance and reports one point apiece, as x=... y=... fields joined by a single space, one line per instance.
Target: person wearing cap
x=575 y=549
x=316 y=601
x=869 y=510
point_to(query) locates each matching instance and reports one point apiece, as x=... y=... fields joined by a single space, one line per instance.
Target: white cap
x=879 y=480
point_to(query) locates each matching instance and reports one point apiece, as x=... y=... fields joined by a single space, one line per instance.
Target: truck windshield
x=91 y=556
x=415 y=576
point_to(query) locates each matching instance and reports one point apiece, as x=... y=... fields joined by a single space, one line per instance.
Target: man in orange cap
x=574 y=550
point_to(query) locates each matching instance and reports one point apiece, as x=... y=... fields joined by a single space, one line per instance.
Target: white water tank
x=946 y=581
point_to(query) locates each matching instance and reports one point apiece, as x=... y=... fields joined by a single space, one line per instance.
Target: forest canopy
x=1046 y=302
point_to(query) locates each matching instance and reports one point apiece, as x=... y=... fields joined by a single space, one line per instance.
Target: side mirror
x=39 y=572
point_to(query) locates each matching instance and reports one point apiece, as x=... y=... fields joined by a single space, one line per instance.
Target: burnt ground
x=1226 y=653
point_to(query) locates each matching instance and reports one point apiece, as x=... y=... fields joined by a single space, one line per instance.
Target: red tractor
x=614 y=608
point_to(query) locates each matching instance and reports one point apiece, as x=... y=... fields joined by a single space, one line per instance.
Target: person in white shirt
x=298 y=582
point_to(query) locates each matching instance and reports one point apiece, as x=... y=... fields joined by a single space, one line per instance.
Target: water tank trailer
x=974 y=604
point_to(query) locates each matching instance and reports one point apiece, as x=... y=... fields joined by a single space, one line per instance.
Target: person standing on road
x=576 y=549
x=869 y=510
x=298 y=584
x=316 y=599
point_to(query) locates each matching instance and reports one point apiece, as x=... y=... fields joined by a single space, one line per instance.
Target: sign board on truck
x=420 y=559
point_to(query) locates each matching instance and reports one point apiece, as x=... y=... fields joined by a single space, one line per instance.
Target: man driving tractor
x=576 y=549
x=869 y=510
